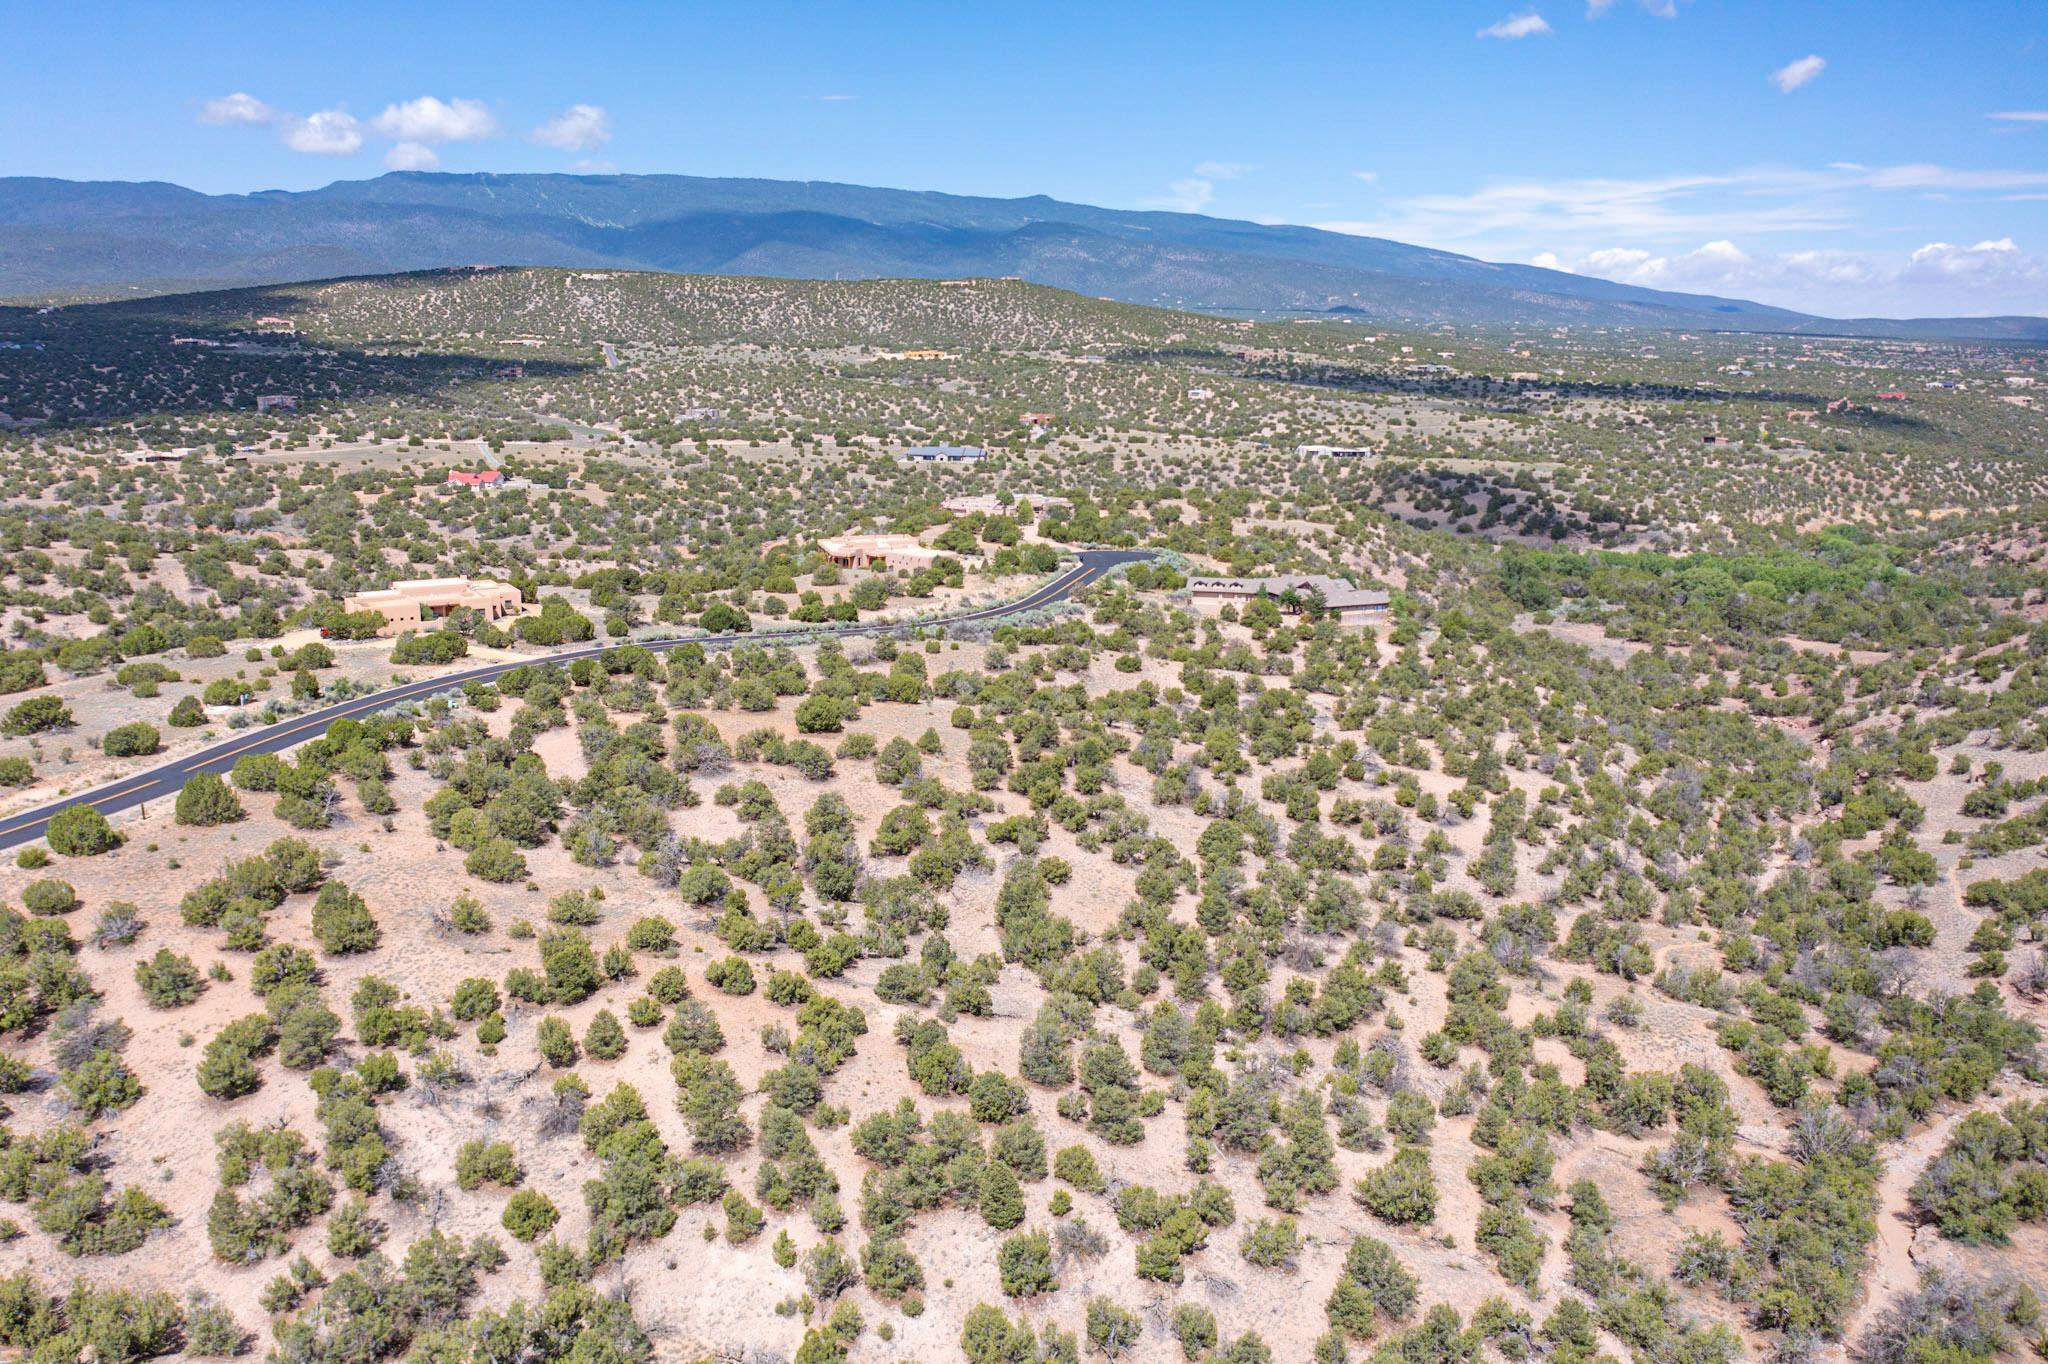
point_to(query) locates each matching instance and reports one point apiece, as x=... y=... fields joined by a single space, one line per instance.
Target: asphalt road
x=163 y=783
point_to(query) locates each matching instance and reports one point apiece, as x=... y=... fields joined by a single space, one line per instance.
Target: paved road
x=163 y=783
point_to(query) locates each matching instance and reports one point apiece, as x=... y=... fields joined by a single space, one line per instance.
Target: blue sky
x=1882 y=156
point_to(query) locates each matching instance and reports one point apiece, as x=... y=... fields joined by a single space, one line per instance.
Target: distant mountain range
x=63 y=238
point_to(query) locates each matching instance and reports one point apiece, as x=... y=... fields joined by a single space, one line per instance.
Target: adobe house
x=417 y=602
x=890 y=550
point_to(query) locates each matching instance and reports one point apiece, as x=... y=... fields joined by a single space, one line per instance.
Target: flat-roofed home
x=1336 y=452
x=944 y=454
x=277 y=402
x=413 y=603
x=1292 y=592
x=891 y=550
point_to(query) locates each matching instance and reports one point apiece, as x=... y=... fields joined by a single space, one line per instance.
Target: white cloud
x=427 y=120
x=1517 y=216
x=837 y=99
x=578 y=128
x=236 y=108
x=1940 y=278
x=331 y=132
x=1663 y=9
x=1792 y=75
x=1547 y=260
x=1223 y=170
x=411 y=156
x=1191 y=195
x=1368 y=177
x=1527 y=24
x=1987 y=259
x=1923 y=176
x=2021 y=116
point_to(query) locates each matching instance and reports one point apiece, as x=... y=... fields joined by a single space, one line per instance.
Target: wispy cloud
x=1191 y=195
x=1368 y=177
x=1527 y=24
x=1663 y=208
x=236 y=108
x=1663 y=9
x=1925 y=176
x=1792 y=75
x=1995 y=276
x=411 y=156
x=1514 y=219
x=837 y=99
x=578 y=128
x=2021 y=116
x=1223 y=170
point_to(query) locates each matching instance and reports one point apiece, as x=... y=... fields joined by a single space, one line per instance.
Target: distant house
x=475 y=478
x=1037 y=419
x=1336 y=452
x=1338 y=597
x=514 y=371
x=411 y=604
x=1892 y=396
x=277 y=402
x=891 y=550
x=1201 y=393
x=944 y=454
x=1717 y=440
x=701 y=414
x=923 y=355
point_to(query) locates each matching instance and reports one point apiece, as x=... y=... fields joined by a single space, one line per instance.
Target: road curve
x=164 y=783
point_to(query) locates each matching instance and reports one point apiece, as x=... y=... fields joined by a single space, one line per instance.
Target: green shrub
x=47 y=897
x=557 y=1043
x=1025 y=1263
x=136 y=740
x=81 y=831
x=479 y=1162
x=168 y=980
x=530 y=1215
x=1402 y=1191
x=342 y=923
x=206 y=801
x=37 y=715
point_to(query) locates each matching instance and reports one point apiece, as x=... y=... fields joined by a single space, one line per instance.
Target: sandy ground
x=703 y=1295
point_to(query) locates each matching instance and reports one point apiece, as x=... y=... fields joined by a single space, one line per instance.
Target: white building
x=943 y=454
x=1336 y=452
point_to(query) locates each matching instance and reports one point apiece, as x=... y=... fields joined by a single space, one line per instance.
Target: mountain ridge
x=116 y=238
